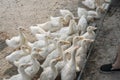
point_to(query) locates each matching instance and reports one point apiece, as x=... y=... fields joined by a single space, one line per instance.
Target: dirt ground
x=15 y=13
x=105 y=48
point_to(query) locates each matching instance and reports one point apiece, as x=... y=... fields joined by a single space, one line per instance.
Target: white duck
x=90 y=34
x=16 y=55
x=82 y=24
x=81 y=12
x=34 y=68
x=56 y=53
x=62 y=63
x=48 y=48
x=68 y=31
x=36 y=29
x=76 y=41
x=82 y=53
x=89 y=3
x=95 y=14
x=65 y=12
x=41 y=43
x=50 y=73
x=52 y=25
x=27 y=59
x=17 y=41
x=22 y=74
x=69 y=70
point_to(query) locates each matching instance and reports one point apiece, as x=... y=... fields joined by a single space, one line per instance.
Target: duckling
x=65 y=12
x=81 y=12
x=105 y=6
x=82 y=24
x=69 y=70
x=50 y=73
x=57 y=52
x=67 y=19
x=49 y=48
x=76 y=40
x=63 y=62
x=16 y=55
x=22 y=75
x=90 y=34
x=36 y=30
x=95 y=14
x=89 y=4
x=17 y=41
x=82 y=53
x=68 y=31
x=27 y=59
x=34 y=68
x=52 y=25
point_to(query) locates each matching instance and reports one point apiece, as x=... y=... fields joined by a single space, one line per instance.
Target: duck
x=81 y=54
x=35 y=65
x=42 y=42
x=89 y=4
x=36 y=30
x=48 y=48
x=16 y=55
x=105 y=6
x=50 y=73
x=90 y=34
x=69 y=70
x=27 y=59
x=67 y=19
x=62 y=62
x=22 y=75
x=52 y=25
x=82 y=25
x=95 y=14
x=81 y=12
x=68 y=31
x=65 y=12
x=76 y=41
x=57 y=52
x=17 y=41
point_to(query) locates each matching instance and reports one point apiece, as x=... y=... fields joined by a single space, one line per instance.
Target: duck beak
x=27 y=65
x=66 y=42
x=39 y=50
x=94 y=28
x=59 y=59
x=81 y=38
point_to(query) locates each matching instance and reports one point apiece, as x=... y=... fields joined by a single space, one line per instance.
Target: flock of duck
x=61 y=46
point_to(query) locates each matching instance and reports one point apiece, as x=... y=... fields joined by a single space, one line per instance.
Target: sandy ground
x=105 y=48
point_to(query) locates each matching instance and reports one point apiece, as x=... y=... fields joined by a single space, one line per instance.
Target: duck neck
x=23 y=73
x=64 y=57
x=70 y=29
x=53 y=68
x=74 y=42
x=73 y=57
x=35 y=63
x=46 y=43
x=22 y=38
x=98 y=11
x=59 y=49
